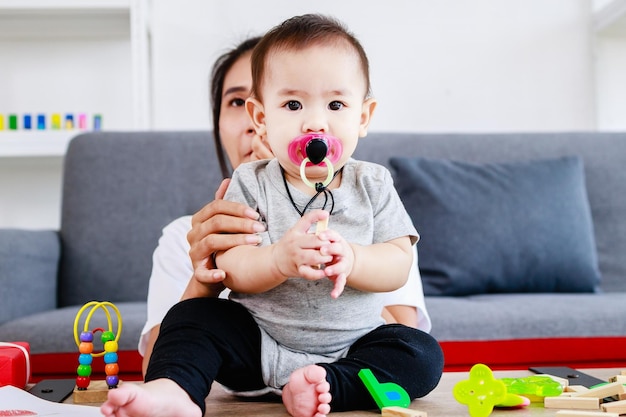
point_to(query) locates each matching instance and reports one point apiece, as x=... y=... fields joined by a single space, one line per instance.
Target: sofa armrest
x=29 y=263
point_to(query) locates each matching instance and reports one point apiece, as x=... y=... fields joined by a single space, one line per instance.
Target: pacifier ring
x=328 y=179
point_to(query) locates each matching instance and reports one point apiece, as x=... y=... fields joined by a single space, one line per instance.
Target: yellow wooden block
x=402 y=412
x=583 y=403
x=574 y=413
x=97 y=392
x=618 y=378
x=618 y=407
x=321 y=226
x=603 y=391
x=576 y=388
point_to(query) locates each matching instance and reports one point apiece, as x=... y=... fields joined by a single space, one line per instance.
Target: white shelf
x=35 y=143
x=610 y=19
x=73 y=56
x=46 y=19
x=63 y=4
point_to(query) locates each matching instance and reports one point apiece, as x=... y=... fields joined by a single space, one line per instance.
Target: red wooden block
x=14 y=364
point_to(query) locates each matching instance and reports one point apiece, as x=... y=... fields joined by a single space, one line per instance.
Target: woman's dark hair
x=222 y=65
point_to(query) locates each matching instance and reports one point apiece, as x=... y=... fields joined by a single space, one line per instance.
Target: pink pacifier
x=315 y=149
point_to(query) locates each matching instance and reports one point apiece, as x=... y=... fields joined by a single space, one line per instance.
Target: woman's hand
x=218 y=226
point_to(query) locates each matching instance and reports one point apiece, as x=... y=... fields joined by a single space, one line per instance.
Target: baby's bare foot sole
x=308 y=393
x=158 y=398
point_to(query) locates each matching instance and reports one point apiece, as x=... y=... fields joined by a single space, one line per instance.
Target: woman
x=183 y=267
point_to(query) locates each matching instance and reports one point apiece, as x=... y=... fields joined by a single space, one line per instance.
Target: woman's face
x=235 y=126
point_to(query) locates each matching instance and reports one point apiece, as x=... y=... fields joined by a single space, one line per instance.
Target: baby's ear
x=367 y=112
x=256 y=111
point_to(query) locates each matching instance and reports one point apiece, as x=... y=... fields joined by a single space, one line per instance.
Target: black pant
x=207 y=339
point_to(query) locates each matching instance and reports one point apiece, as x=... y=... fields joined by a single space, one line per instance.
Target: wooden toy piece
x=97 y=392
x=618 y=378
x=84 y=359
x=110 y=359
x=321 y=226
x=574 y=413
x=603 y=391
x=402 y=412
x=387 y=394
x=481 y=392
x=618 y=407
x=84 y=342
x=576 y=388
x=582 y=403
x=623 y=372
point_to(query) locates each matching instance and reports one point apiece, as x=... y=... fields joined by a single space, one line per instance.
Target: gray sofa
x=120 y=189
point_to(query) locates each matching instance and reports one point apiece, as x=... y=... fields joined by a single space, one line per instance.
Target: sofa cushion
x=29 y=260
x=500 y=227
x=52 y=331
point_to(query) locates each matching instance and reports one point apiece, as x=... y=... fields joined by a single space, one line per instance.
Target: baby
x=304 y=313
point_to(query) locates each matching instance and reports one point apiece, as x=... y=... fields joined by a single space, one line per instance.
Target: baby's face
x=320 y=89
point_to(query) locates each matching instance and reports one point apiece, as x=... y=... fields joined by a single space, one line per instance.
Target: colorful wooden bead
x=85 y=347
x=107 y=336
x=86 y=337
x=110 y=346
x=111 y=369
x=110 y=357
x=112 y=381
x=85 y=359
x=83 y=370
x=82 y=382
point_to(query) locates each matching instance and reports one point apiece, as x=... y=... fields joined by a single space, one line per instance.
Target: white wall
x=30 y=192
x=611 y=82
x=443 y=66
x=446 y=65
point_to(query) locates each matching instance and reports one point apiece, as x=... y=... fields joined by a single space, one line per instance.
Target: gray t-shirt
x=300 y=323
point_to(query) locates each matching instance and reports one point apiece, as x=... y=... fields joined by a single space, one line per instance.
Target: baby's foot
x=161 y=397
x=307 y=394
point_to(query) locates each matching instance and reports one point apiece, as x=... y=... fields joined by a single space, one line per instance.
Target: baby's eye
x=335 y=105
x=293 y=105
x=237 y=102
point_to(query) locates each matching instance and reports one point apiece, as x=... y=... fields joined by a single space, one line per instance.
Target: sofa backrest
x=604 y=156
x=120 y=189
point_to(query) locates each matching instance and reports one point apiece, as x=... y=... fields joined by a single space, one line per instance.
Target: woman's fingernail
x=258 y=227
x=252 y=214
x=253 y=239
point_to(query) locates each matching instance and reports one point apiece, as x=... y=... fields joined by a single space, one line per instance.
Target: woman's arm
x=151 y=338
x=407 y=305
x=401 y=314
x=182 y=271
x=218 y=226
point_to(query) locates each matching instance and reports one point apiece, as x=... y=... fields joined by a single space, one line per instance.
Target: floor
x=439 y=403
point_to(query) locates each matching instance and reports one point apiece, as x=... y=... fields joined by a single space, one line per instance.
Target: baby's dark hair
x=300 y=32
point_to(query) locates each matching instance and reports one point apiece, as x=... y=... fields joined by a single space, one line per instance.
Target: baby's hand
x=298 y=253
x=338 y=269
